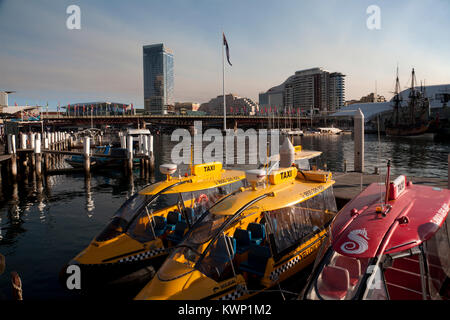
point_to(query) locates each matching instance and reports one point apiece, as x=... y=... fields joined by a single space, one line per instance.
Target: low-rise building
x=103 y=108
x=235 y=105
x=184 y=107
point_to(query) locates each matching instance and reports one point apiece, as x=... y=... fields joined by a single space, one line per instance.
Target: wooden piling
x=87 y=157
x=12 y=151
x=123 y=141
x=46 y=155
x=151 y=159
x=32 y=159
x=38 y=158
x=130 y=153
x=70 y=142
x=359 y=141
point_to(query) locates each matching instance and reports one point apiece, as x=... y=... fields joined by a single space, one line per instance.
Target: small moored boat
x=147 y=225
x=396 y=247
x=250 y=241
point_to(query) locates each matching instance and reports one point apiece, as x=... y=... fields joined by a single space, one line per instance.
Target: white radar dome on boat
x=168 y=168
x=256 y=175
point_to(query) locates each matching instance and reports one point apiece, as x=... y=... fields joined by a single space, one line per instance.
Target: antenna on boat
x=388 y=178
x=384 y=208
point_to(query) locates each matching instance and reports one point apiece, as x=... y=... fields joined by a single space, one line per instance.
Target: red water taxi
x=387 y=243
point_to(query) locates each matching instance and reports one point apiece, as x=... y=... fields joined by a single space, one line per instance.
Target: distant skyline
x=44 y=61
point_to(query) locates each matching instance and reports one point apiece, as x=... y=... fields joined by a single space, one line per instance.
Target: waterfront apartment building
x=311 y=88
x=158 y=78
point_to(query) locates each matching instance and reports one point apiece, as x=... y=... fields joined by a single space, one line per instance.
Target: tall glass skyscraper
x=158 y=78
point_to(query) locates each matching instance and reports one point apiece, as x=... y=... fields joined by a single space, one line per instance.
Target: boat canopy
x=205 y=176
x=299 y=210
x=281 y=184
x=415 y=216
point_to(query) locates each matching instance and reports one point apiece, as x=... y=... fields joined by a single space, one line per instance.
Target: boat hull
x=129 y=276
x=407 y=131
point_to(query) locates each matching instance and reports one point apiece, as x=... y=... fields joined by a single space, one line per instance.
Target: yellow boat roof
x=282 y=195
x=196 y=182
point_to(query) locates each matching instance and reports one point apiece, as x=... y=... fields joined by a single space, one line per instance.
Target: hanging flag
x=225 y=43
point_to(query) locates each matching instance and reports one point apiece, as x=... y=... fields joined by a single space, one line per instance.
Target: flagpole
x=223 y=89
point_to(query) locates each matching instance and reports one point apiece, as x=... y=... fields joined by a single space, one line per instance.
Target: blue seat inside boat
x=159 y=225
x=173 y=217
x=221 y=253
x=257 y=260
x=190 y=214
x=178 y=234
x=257 y=231
x=243 y=238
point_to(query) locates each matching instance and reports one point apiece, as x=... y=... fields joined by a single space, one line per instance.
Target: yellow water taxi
x=251 y=240
x=147 y=225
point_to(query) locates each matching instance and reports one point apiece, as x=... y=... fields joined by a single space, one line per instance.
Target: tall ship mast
x=412 y=119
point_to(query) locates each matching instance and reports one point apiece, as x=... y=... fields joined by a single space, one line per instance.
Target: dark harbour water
x=43 y=225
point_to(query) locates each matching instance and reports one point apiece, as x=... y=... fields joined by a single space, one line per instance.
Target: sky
x=269 y=40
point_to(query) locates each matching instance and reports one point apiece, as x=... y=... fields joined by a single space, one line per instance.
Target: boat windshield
x=199 y=253
x=123 y=216
x=339 y=277
x=190 y=250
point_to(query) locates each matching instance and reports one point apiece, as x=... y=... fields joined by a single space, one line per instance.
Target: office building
x=158 y=79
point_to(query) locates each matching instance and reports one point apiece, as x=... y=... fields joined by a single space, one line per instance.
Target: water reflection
x=89 y=199
x=45 y=222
